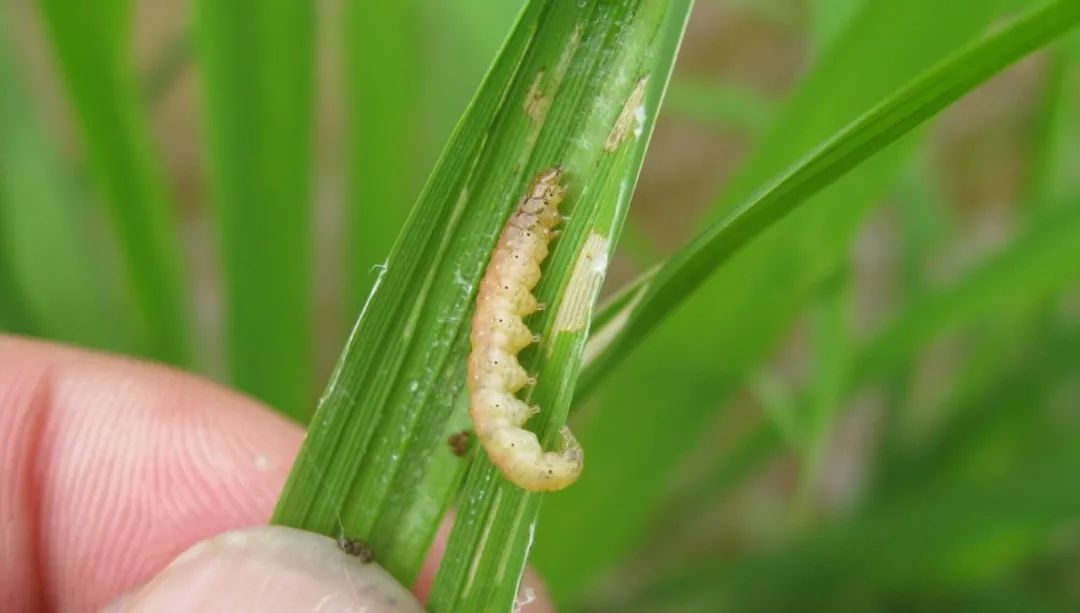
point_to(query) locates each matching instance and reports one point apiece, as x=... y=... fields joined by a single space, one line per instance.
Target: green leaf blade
x=665 y=395
x=555 y=94
x=380 y=361
x=879 y=127
x=384 y=104
x=257 y=75
x=91 y=45
x=54 y=285
x=930 y=541
x=496 y=523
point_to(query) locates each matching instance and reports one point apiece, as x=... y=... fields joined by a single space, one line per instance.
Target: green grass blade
x=944 y=538
x=656 y=409
x=381 y=55
x=1055 y=174
x=14 y=316
x=393 y=367
x=1038 y=263
x=923 y=225
x=256 y=63
x=754 y=449
x=495 y=525
x=1033 y=267
x=460 y=40
x=552 y=96
x=831 y=361
x=91 y=43
x=404 y=100
x=1000 y=412
x=723 y=104
x=829 y=18
x=916 y=102
x=53 y=283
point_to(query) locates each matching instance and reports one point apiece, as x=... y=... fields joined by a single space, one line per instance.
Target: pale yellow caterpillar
x=498 y=334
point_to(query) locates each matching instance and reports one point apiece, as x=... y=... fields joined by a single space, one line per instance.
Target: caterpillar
x=498 y=334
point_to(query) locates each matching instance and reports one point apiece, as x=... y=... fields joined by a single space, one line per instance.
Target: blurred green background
x=876 y=406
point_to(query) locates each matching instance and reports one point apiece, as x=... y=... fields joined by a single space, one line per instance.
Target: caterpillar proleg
x=498 y=334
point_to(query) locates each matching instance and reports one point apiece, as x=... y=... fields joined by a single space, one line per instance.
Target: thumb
x=269 y=569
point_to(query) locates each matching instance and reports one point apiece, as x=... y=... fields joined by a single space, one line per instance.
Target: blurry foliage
x=874 y=405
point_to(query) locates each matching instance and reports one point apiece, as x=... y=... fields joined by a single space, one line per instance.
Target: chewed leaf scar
x=498 y=334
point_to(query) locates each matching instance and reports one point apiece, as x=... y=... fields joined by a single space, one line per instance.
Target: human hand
x=111 y=468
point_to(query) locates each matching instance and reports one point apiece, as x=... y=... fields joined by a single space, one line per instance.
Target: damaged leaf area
x=376 y=464
x=631 y=120
x=584 y=286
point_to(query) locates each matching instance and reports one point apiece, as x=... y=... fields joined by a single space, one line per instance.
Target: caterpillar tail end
x=563 y=466
x=559 y=468
x=518 y=455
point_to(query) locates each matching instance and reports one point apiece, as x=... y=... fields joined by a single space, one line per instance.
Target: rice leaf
x=92 y=47
x=256 y=64
x=576 y=84
x=665 y=394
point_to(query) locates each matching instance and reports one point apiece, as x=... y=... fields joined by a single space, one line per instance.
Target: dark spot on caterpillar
x=357 y=548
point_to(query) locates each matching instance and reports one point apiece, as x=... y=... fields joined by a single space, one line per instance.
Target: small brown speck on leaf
x=459 y=443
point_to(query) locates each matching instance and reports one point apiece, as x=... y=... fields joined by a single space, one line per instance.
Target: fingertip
x=426 y=579
x=269 y=569
x=115 y=466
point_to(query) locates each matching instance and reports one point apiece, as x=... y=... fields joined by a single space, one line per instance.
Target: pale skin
x=499 y=333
